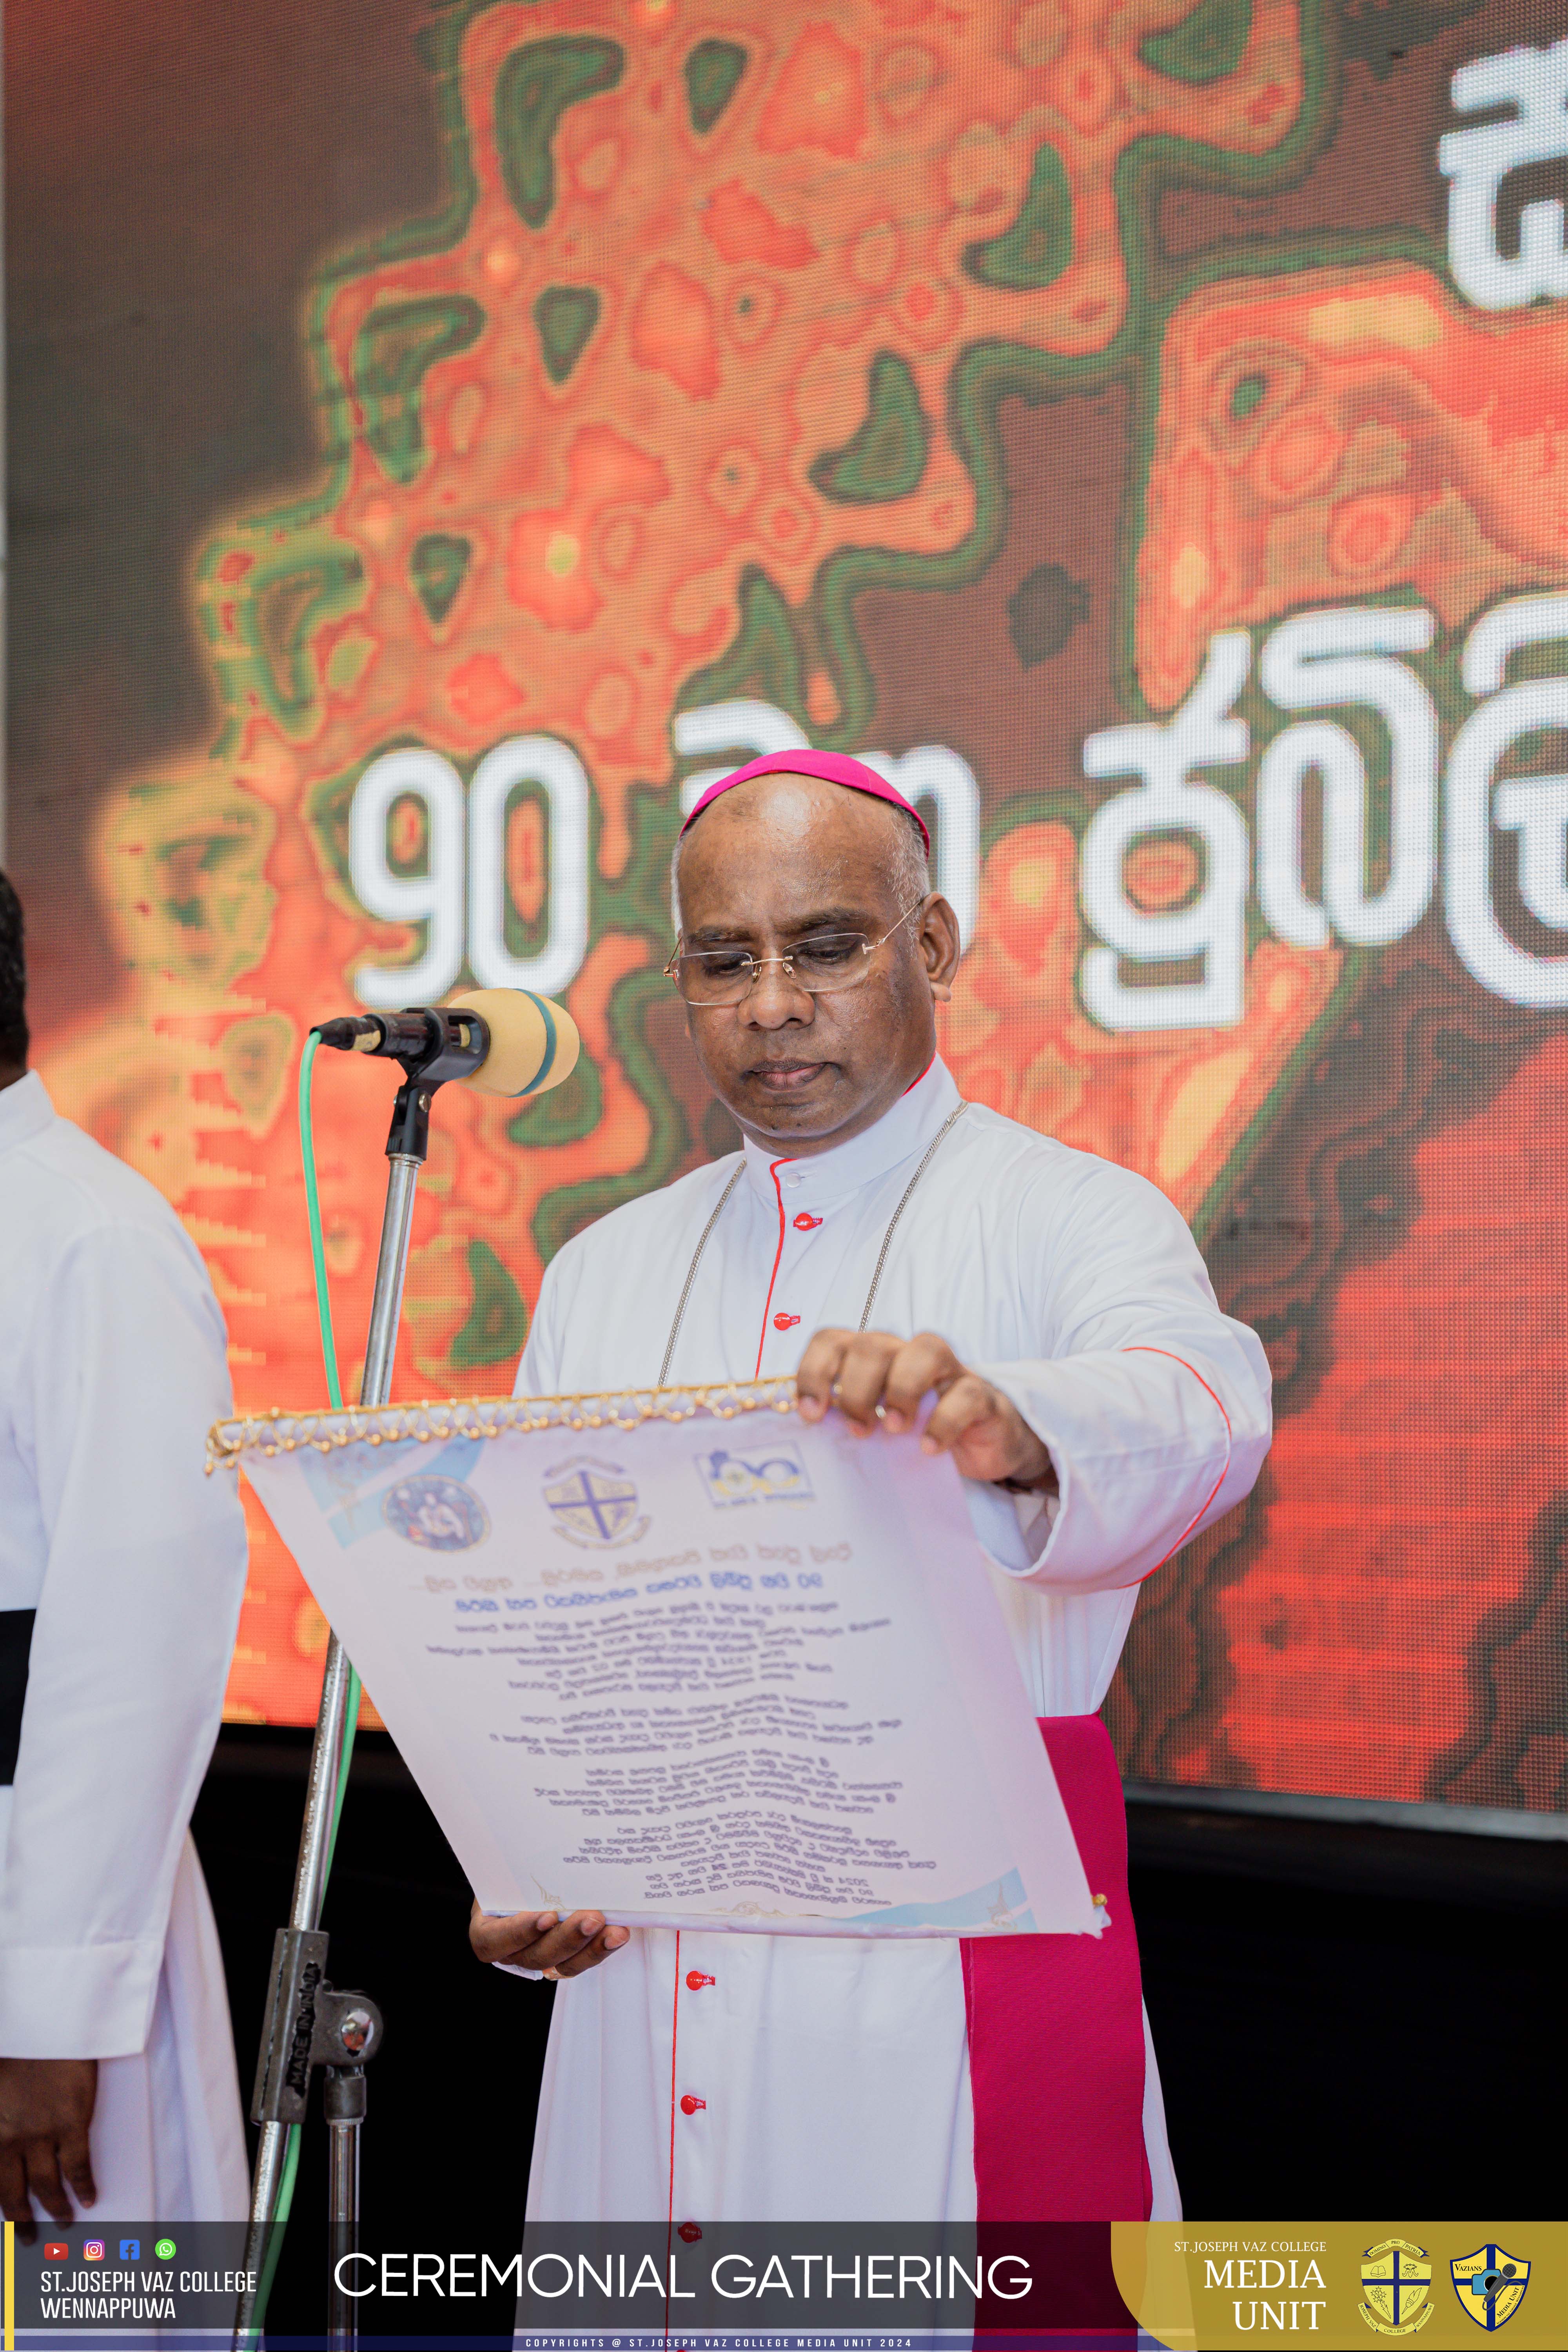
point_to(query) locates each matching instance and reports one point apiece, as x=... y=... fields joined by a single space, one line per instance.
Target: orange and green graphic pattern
x=709 y=379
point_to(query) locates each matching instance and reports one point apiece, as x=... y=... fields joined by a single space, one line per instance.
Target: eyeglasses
x=824 y=964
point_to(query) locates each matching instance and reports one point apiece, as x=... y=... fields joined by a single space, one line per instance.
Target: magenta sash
x=1056 y=2028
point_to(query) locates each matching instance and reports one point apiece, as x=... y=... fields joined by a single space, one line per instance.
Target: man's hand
x=877 y=1382
x=543 y=1939
x=46 y=2107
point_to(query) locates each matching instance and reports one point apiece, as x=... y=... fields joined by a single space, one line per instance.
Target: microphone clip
x=430 y=1041
x=430 y=1044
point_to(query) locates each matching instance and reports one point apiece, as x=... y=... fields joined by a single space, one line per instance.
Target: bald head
x=803 y=808
x=779 y=859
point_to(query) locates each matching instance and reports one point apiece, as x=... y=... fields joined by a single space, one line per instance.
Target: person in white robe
x=882 y=1239
x=122 y=1573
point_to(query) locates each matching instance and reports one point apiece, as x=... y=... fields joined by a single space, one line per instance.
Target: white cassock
x=835 y=2071
x=112 y=1368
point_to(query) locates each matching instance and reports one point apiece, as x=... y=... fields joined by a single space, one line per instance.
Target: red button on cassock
x=695 y=1980
x=782 y=1322
x=805 y=1223
x=689 y=2232
x=689 y=2106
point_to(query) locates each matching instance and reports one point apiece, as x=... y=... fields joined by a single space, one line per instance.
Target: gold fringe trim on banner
x=280 y=1432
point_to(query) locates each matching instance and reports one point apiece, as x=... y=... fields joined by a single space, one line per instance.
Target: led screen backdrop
x=1145 y=426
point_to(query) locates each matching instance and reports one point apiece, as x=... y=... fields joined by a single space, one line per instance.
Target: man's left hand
x=877 y=1382
x=45 y=2109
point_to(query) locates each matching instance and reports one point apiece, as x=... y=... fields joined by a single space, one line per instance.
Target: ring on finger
x=836 y=1391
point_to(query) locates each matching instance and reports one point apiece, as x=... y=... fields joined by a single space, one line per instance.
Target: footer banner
x=694 y=2286
x=1205 y=2287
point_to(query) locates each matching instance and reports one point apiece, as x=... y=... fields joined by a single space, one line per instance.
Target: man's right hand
x=45 y=2109
x=543 y=1939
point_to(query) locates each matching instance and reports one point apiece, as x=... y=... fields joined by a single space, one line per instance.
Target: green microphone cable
x=330 y=1360
x=351 y=1712
x=313 y=1215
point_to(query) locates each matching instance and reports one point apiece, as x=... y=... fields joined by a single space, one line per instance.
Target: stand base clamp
x=309 y=2024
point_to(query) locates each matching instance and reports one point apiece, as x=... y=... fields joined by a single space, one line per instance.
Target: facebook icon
x=130 y=2250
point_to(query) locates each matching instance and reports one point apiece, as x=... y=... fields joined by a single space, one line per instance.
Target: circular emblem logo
x=438 y=1513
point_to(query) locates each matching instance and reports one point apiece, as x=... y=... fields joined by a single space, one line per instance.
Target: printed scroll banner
x=684 y=1659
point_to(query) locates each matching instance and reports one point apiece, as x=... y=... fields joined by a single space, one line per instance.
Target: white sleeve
x=1154 y=1406
x=131 y=1644
x=539 y=1373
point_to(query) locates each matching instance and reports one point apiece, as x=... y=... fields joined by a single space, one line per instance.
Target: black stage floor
x=1356 y=2022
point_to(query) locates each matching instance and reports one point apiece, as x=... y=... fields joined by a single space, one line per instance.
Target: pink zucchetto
x=832 y=767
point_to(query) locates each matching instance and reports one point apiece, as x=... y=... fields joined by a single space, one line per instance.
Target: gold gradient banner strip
x=282 y=1431
x=1345 y=2286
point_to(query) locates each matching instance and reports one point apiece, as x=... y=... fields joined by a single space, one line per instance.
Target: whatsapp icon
x=165 y=2249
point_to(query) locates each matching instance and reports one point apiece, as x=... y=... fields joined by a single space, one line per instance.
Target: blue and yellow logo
x=772 y=1472
x=1397 y=2287
x=593 y=1504
x=1490 y=2284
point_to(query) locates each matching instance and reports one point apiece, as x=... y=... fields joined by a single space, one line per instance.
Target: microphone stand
x=307 y=2023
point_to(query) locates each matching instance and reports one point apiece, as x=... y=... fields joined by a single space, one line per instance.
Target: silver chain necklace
x=932 y=1149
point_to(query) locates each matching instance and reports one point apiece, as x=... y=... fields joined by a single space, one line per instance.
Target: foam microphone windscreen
x=533 y=1043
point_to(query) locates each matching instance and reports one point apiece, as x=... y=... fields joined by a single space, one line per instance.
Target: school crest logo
x=1490 y=2284
x=1397 y=2282
x=593 y=1504
x=772 y=1472
x=436 y=1513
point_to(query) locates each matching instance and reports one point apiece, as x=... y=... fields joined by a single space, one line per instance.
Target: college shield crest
x=594 y=1503
x=1490 y=2284
x=1397 y=2285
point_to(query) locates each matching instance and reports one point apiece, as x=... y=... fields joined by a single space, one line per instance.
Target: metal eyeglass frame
x=759 y=965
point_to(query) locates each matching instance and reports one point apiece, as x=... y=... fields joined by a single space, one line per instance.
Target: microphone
x=532 y=1044
x=500 y=1041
